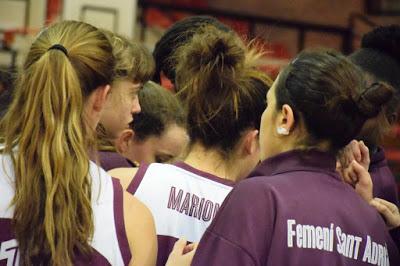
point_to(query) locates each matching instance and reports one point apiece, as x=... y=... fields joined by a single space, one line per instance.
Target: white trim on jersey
x=105 y=239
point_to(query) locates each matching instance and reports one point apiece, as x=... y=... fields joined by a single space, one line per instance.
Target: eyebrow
x=165 y=154
x=136 y=86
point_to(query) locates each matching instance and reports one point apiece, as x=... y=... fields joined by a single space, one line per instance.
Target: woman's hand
x=388 y=210
x=354 y=151
x=182 y=254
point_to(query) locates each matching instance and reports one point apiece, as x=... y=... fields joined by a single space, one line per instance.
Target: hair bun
x=371 y=100
x=215 y=49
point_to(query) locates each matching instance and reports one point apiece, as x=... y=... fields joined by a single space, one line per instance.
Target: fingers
x=364 y=151
x=360 y=174
x=348 y=176
x=181 y=254
x=190 y=247
x=349 y=153
x=355 y=150
x=179 y=246
x=388 y=210
x=382 y=209
x=363 y=185
x=392 y=207
x=189 y=256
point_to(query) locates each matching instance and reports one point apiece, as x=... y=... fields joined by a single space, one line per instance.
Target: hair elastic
x=59 y=47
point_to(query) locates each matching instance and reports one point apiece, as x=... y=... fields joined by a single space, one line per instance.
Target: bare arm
x=140 y=229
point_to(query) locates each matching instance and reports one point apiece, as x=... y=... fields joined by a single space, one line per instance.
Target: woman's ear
x=122 y=142
x=286 y=120
x=100 y=97
x=251 y=142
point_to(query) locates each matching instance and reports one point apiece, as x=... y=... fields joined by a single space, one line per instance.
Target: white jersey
x=109 y=239
x=183 y=201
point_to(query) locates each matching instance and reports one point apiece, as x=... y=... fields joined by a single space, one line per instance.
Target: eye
x=134 y=94
x=163 y=158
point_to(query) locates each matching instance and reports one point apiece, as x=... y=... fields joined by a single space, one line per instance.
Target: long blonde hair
x=45 y=133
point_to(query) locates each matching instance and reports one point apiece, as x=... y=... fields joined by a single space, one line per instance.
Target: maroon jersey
x=385 y=186
x=298 y=212
x=395 y=233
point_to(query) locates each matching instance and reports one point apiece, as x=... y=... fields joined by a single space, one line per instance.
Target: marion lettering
x=192 y=205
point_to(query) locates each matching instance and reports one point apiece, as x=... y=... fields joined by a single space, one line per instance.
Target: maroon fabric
x=395 y=234
x=133 y=186
x=8 y=249
x=212 y=177
x=119 y=222
x=385 y=186
x=297 y=213
x=165 y=246
x=110 y=160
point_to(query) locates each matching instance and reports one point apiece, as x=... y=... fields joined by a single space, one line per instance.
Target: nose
x=136 y=106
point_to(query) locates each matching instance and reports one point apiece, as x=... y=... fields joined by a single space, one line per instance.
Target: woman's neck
x=212 y=162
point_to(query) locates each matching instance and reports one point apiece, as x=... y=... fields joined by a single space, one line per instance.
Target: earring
x=282 y=131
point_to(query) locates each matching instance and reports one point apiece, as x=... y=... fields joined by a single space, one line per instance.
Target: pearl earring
x=282 y=131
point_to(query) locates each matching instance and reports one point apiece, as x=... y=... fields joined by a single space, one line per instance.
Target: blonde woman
x=56 y=206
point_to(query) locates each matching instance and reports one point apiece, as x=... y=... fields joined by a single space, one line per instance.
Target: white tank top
x=109 y=239
x=182 y=199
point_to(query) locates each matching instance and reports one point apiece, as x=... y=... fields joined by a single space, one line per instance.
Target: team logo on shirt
x=325 y=238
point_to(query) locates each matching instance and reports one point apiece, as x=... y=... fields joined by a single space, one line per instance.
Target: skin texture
x=161 y=149
x=121 y=104
x=182 y=254
x=271 y=142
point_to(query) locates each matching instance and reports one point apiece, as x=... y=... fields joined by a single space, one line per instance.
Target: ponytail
x=46 y=135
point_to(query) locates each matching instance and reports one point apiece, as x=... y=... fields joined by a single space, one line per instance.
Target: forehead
x=126 y=84
x=172 y=140
x=271 y=91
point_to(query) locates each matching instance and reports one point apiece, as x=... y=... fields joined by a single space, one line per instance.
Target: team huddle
x=101 y=165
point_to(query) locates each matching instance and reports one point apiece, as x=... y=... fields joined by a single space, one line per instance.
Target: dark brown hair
x=328 y=93
x=222 y=94
x=159 y=108
x=179 y=34
x=379 y=58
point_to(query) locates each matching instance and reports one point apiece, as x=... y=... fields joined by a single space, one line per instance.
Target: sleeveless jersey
x=182 y=199
x=109 y=241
